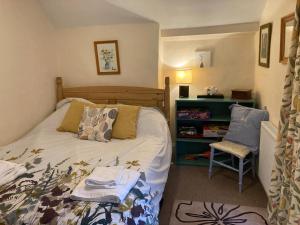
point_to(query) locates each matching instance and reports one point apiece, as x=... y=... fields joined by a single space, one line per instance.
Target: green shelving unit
x=220 y=115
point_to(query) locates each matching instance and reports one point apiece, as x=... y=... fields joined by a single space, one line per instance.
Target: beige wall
x=232 y=59
x=27 y=67
x=33 y=53
x=269 y=82
x=138 y=48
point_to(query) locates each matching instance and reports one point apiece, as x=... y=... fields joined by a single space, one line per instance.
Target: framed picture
x=265 y=45
x=107 y=57
x=287 y=25
x=203 y=59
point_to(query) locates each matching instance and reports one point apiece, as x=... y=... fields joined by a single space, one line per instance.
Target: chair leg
x=253 y=165
x=241 y=171
x=212 y=154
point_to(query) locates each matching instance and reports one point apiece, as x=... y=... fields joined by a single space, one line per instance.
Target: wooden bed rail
x=149 y=97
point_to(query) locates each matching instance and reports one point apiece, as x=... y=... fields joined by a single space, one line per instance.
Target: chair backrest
x=244 y=126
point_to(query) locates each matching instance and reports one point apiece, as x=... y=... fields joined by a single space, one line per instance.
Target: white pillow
x=68 y=100
x=151 y=122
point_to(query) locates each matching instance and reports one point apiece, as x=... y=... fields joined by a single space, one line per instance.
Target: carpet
x=206 y=213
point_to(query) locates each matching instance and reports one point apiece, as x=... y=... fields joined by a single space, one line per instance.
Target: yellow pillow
x=126 y=123
x=72 y=117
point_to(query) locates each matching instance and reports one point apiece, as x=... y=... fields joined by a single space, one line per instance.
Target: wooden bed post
x=167 y=99
x=59 y=89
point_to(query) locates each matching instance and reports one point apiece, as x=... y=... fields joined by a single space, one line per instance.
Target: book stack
x=215 y=130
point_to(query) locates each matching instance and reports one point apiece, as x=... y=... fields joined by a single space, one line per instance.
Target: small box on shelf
x=245 y=94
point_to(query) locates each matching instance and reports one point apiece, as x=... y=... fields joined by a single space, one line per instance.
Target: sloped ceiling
x=74 y=13
x=170 y=14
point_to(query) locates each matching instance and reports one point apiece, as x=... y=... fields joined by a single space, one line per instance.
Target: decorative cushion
x=244 y=126
x=96 y=123
x=61 y=103
x=125 y=125
x=240 y=151
x=72 y=117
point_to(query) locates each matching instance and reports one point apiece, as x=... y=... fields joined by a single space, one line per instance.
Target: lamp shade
x=184 y=76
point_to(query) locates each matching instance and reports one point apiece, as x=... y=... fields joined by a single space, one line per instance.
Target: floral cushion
x=96 y=123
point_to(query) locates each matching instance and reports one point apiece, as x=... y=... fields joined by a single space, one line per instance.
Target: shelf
x=219 y=100
x=216 y=119
x=196 y=140
x=200 y=162
x=220 y=115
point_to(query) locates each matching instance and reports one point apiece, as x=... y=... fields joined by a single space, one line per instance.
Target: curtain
x=284 y=194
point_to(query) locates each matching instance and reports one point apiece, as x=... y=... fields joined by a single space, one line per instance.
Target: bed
x=56 y=162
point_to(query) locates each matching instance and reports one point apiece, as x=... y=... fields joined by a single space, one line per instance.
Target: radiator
x=266 y=154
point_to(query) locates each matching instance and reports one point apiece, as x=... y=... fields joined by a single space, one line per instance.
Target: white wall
x=138 y=48
x=269 y=82
x=27 y=67
x=232 y=58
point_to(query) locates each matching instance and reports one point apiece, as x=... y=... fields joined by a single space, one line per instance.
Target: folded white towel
x=105 y=177
x=114 y=195
x=10 y=171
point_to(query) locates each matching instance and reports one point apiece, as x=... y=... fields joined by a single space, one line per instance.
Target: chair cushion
x=244 y=126
x=240 y=151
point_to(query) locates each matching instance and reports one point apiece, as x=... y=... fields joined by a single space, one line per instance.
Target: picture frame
x=287 y=24
x=203 y=59
x=107 y=57
x=265 y=37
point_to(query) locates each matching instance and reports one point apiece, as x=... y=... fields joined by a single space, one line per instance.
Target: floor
x=192 y=183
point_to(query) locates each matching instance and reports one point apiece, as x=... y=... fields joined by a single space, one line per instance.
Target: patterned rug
x=206 y=213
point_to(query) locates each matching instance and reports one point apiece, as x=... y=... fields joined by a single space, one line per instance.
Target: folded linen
x=105 y=177
x=82 y=192
x=10 y=171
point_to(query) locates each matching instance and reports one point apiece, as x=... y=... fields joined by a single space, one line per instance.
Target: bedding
x=56 y=163
x=96 y=123
x=69 y=100
x=72 y=117
x=125 y=124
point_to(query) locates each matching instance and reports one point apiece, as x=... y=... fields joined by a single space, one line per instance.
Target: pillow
x=61 y=103
x=244 y=126
x=72 y=117
x=151 y=122
x=96 y=123
x=125 y=126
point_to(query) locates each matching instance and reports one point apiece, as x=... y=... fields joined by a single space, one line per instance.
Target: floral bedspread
x=41 y=196
x=56 y=162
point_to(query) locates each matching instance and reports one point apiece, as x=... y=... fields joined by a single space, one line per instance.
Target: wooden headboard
x=142 y=96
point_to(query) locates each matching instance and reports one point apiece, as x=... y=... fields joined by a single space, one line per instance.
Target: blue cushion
x=244 y=126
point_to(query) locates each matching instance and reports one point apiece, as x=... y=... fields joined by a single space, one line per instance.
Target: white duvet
x=150 y=152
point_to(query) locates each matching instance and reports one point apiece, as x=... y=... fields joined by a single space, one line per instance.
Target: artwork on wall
x=287 y=25
x=107 y=57
x=265 y=45
x=203 y=59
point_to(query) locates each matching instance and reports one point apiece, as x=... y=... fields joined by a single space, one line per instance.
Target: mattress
x=57 y=162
